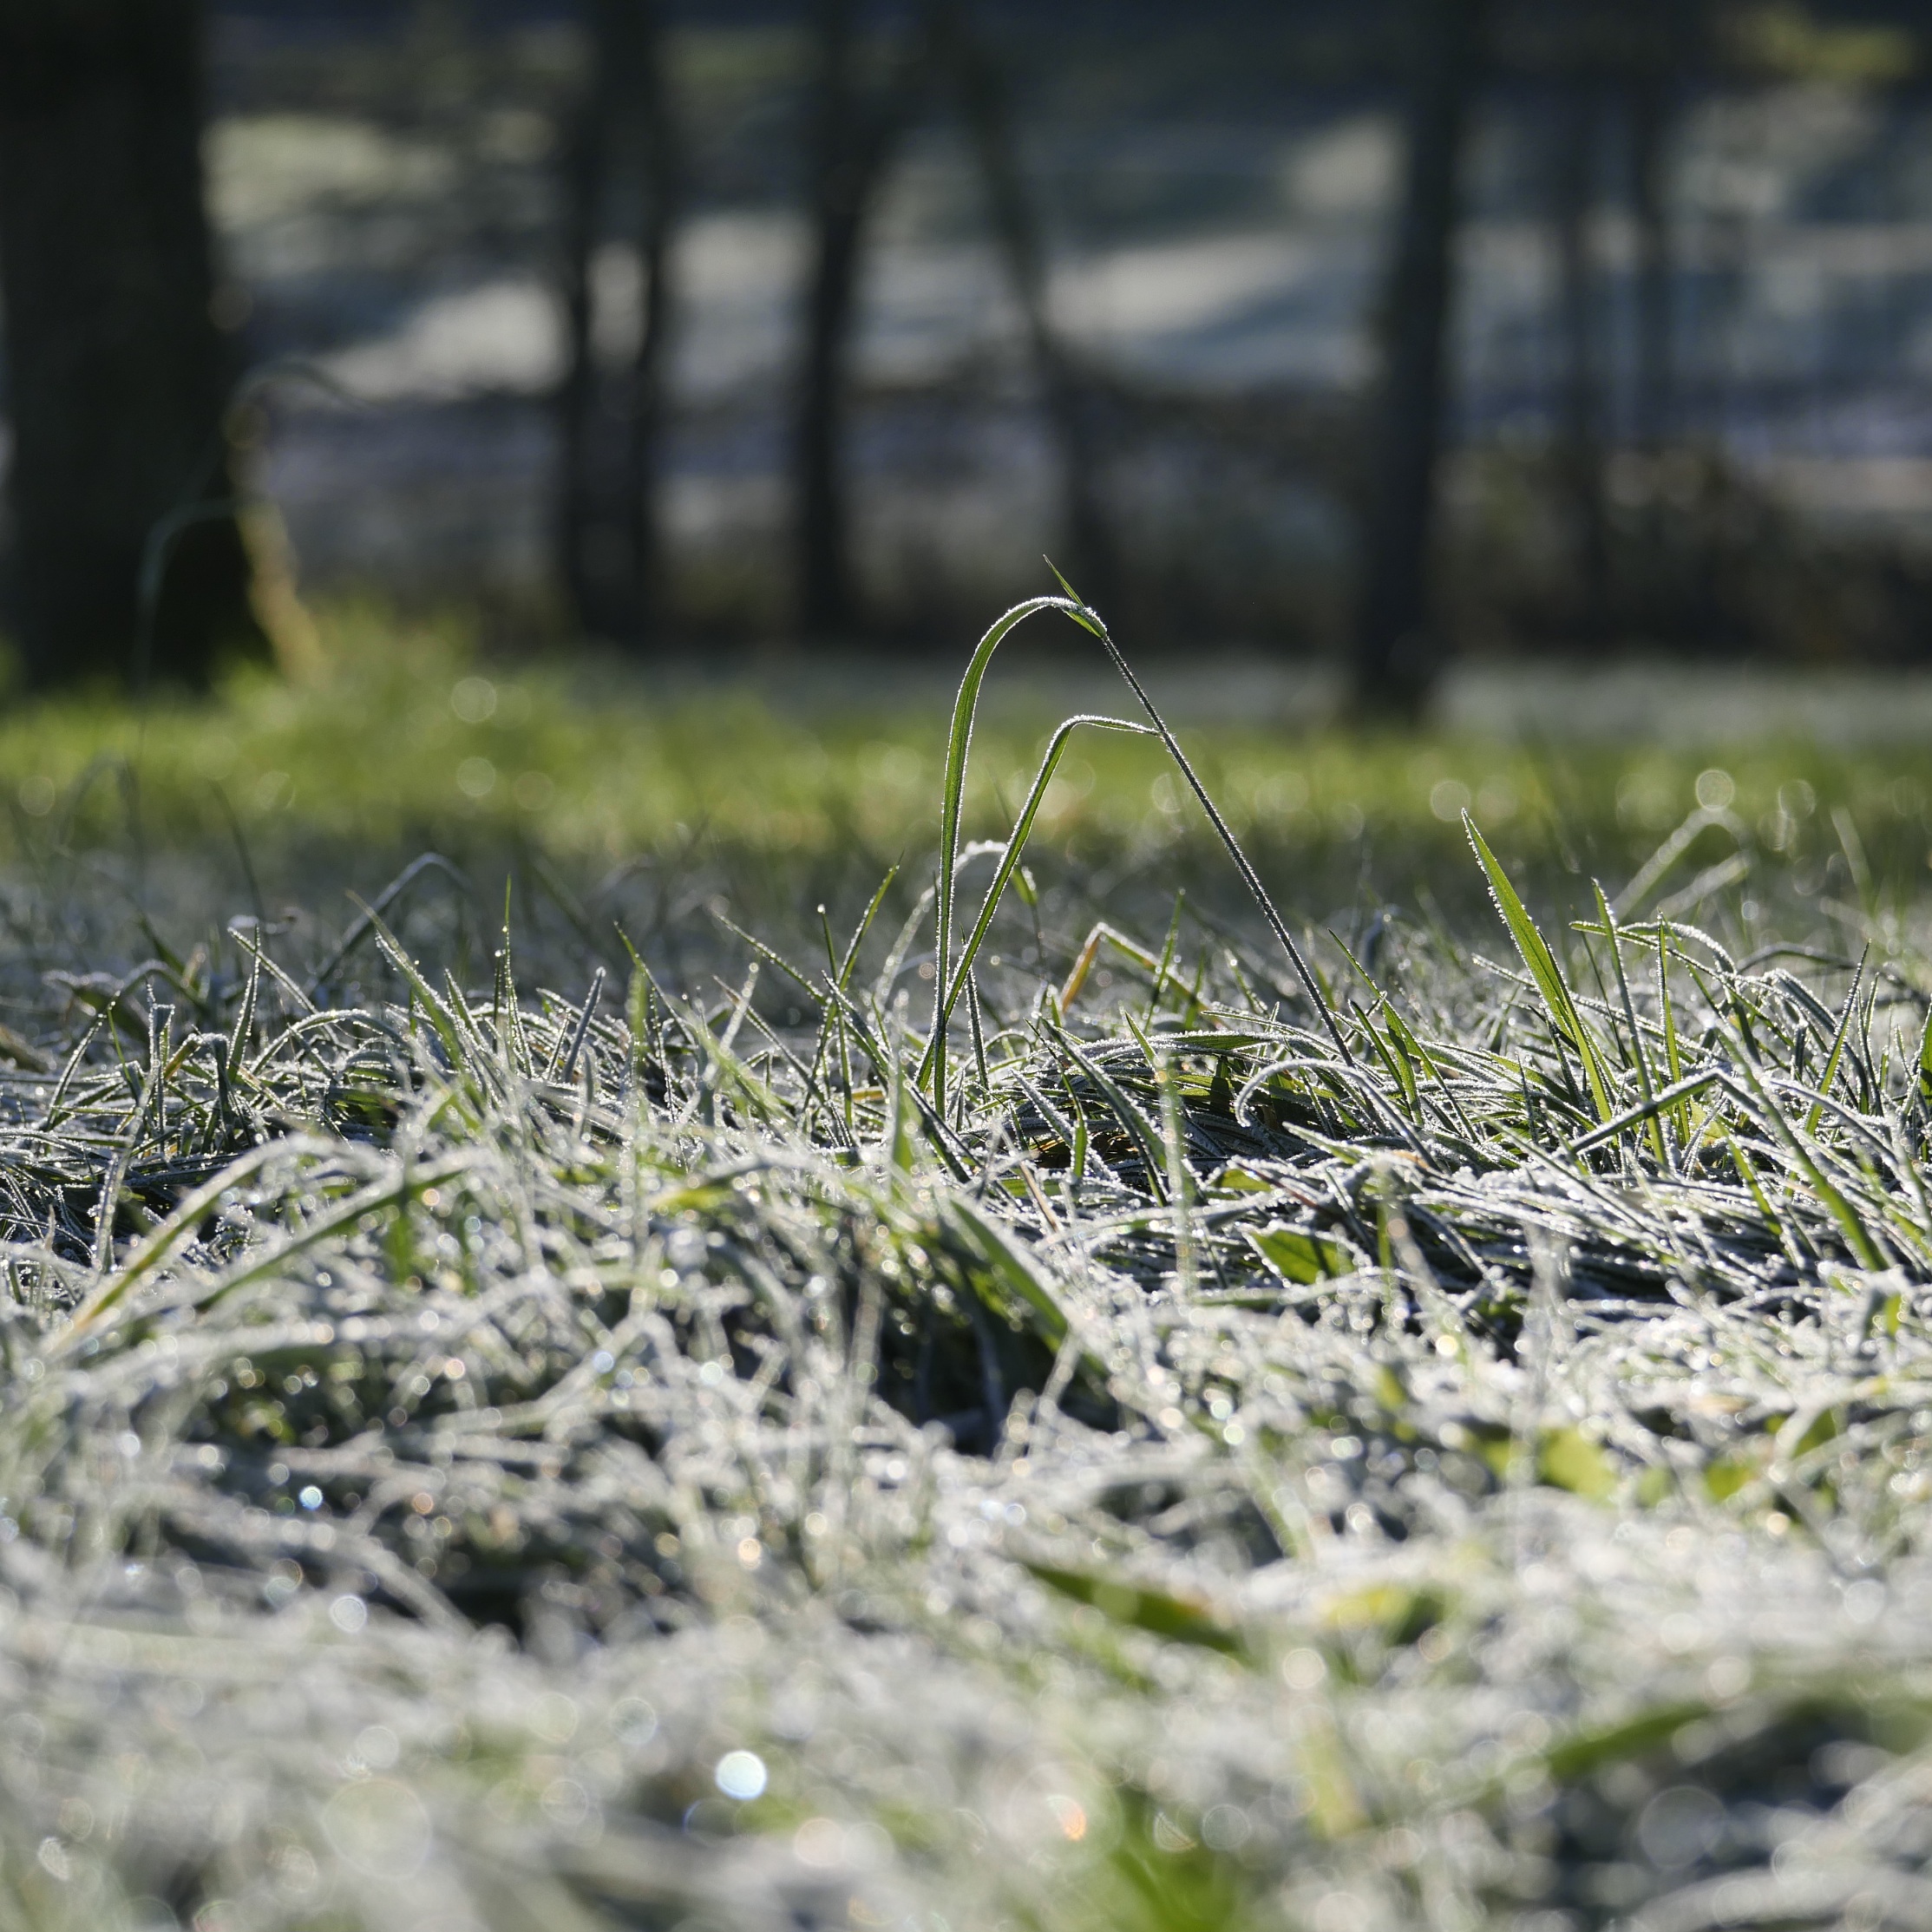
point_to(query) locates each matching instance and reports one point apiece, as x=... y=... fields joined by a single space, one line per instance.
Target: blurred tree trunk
x=846 y=159
x=129 y=557
x=585 y=168
x=1093 y=561
x=622 y=140
x=855 y=129
x=1581 y=447
x=1396 y=657
x=1650 y=167
x=659 y=167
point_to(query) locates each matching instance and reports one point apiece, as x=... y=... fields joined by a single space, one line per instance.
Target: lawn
x=1409 y=1409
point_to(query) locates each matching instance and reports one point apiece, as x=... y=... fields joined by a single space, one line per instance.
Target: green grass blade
x=958 y=746
x=1534 y=951
x=1009 y=863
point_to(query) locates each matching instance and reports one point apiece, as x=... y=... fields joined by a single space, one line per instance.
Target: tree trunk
x=1649 y=143
x=609 y=421
x=827 y=606
x=584 y=542
x=129 y=558
x=1396 y=657
x=1581 y=449
x=658 y=171
x=1092 y=556
x=585 y=171
x=853 y=132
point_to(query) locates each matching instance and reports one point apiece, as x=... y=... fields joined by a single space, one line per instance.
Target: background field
x=786 y=777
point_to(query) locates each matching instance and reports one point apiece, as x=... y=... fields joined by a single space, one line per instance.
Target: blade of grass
x=1534 y=950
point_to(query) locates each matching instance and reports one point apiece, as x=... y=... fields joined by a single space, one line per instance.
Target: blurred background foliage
x=1381 y=335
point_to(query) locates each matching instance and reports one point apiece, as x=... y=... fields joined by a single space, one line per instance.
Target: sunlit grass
x=406 y=739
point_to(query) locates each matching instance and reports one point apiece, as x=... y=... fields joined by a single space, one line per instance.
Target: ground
x=1418 y=1418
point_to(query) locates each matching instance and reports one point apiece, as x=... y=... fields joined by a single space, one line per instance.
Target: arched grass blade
x=1009 y=863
